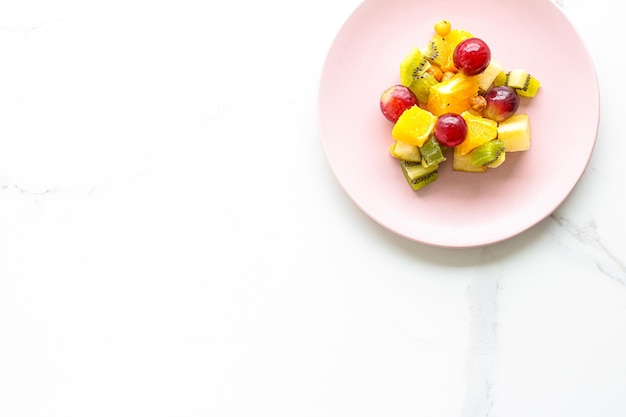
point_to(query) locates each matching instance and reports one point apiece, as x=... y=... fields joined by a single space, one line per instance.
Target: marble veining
x=38 y=198
x=482 y=298
x=586 y=239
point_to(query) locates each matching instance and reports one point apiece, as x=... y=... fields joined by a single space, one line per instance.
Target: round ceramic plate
x=460 y=209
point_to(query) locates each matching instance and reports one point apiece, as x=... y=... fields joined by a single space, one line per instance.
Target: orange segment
x=414 y=126
x=479 y=130
x=453 y=39
x=453 y=95
x=456 y=36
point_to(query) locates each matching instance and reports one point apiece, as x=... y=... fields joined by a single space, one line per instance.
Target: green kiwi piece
x=524 y=83
x=413 y=66
x=421 y=87
x=487 y=153
x=434 y=50
x=499 y=161
x=431 y=152
x=417 y=175
x=501 y=79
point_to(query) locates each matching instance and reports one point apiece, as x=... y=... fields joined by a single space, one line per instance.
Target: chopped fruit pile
x=453 y=96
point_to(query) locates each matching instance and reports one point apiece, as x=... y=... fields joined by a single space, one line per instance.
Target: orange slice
x=453 y=95
x=456 y=36
x=479 y=130
x=414 y=126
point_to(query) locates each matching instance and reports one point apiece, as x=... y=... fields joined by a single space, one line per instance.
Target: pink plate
x=460 y=209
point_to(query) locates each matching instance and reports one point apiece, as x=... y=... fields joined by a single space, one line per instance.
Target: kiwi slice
x=417 y=175
x=431 y=152
x=499 y=161
x=437 y=50
x=421 y=86
x=524 y=83
x=487 y=153
x=464 y=163
x=413 y=66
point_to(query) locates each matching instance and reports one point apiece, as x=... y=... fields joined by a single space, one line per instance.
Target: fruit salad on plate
x=453 y=97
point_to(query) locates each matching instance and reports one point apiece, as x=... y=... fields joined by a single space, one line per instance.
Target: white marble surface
x=173 y=243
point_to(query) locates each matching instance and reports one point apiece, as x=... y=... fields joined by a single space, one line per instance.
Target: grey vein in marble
x=482 y=296
x=587 y=239
x=38 y=196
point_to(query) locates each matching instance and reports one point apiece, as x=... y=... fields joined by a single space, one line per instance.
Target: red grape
x=450 y=129
x=501 y=103
x=395 y=100
x=471 y=56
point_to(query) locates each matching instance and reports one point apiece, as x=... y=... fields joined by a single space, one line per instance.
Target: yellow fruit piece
x=405 y=152
x=479 y=130
x=514 y=132
x=500 y=79
x=443 y=27
x=452 y=39
x=488 y=76
x=463 y=162
x=453 y=95
x=456 y=36
x=414 y=126
x=448 y=66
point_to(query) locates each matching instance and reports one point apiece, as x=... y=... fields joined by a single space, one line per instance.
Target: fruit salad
x=454 y=98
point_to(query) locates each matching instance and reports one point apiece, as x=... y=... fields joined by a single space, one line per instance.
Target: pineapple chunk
x=405 y=151
x=488 y=76
x=514 y=132
x=463 y=162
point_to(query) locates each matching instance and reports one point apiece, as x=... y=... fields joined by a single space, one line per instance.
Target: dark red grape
x=471 y=56
x=501 y=103
x=450 y=129
x=395 y=100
